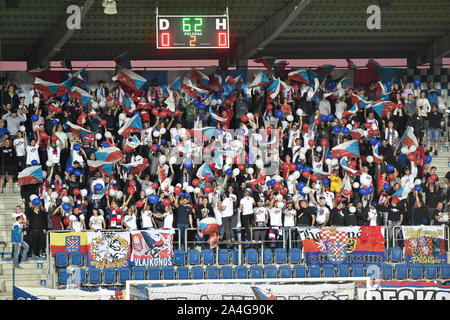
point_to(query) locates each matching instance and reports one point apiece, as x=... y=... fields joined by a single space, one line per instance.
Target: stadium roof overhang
x=293 y=29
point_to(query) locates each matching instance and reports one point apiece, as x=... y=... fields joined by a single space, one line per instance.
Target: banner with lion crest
x=109 y=249
x=359 y=245
x=424 y=244
x=152 y=248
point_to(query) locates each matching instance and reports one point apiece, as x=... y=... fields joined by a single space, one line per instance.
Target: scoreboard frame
x=158 y=31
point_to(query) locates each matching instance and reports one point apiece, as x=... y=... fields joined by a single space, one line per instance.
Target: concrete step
x=35 y=283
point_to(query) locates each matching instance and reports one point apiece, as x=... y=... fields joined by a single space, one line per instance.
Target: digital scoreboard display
x=190 y=32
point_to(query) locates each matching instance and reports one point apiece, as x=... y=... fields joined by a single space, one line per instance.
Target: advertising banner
x=408 y=290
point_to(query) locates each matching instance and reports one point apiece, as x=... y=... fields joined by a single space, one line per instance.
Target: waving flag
x=382 y=91
x=267 y=62
x=351 y=111
x=94 y=115
x=78 y=130
x=197 y=75
x=357 y=133
x=274 y=88
x=50 y=88
x=131 y=143
x=400 y=194
x=346 y=149
x=260 y=79
x=205 y=133
x=66 y=86
x=346 y=185
x=136 y=166
x=132 y=125
x=30 y=175
x=360 y=101
x=300 y=75
x=82 y=96
x=218 y=118
x=130 y=79
x=176 y=84
x=351 y=65
x=346 y=167
x=383 y=107
x=206 y=173
x=408 y=138
x=170 y=102
x=123 y=60
x=110 y=154
x=377 y=158
x=231 y=80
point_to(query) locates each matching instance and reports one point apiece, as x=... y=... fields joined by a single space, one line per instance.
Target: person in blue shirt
x=18 y=243
x=433 y=93
x=3 y=129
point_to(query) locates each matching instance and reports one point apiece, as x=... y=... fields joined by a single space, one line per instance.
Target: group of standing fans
x=308 y=189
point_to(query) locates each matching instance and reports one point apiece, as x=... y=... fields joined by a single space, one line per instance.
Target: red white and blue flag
x=274 y=88
x=408 y=138
x=176 y=84
x=66 y=86
x=206 y=173
x=123 y=60
x=346 y=167
x=30 y=175
x=259 y=79
x=109 y=154
x=50 y=88
x=267 y=62
x=300 y=75
x=377 y=158
x=132 y=125
x=351 y=111
x=130 y=79
x=83 y=96
x=346 y=149
x=360 y=101
x=131 y=143
x=382 y=91
x=383 y=107
x=78 y=130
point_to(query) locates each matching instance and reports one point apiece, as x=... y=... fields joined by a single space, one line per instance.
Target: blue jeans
x=182 y=228
x=26 y=247
x=433 y=134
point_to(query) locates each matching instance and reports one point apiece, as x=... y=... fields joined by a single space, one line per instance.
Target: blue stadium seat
x=183 y=273
x=61 y=259
x=212 y=272
x=387 y=271
x=241 y=272
x=295 y=255
x=124 y=274
x=431 y=272
x=179 y=257
x=63 y=276
x=226 y=272
x=343 y=270
x=396 y=254
x=256 y=272
x=401 y=271
x=79 y=276
x=416 y=272
x=197 y=273
x=235 y=256
x=224 y=256
x=94 y=276
x=139 y=273
x=373 y=271
x=280 y=256
x=267 y=256
x=299 y=271
x=314 y=271
x=154 y=273
x=357 y=270
x=168 y=273
x=284 y=271
x=76 y=259
x=208 y=256
x=270 y=271
x=193 y=257
x=329 y=271
x=444 y=271
x=109 y=276
x=251 y=256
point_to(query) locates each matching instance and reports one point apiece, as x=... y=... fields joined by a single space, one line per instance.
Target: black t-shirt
x=434 y=120
x=351 y=219
x=337 y=217
x=394 y=212
x=304 y=216
x=183 y=213
x=204 y=211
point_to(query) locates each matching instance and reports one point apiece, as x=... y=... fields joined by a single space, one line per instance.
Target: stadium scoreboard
x=192 y=32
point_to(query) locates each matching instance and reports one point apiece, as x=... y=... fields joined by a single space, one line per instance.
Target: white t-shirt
x=260 y=214
x=32 y=154
x=322 y=213
x=146 y=217
x=373 y=217
x=130 y=220
x=77 y=226
x=76 y=157
x=168 y=220
x=19 y=144
x=276 y=217
x=289 y=216
x=228 y=204
x=53 y=154
x=97 y=222
x=329 y=196
x=247 y=205
x=365 y=180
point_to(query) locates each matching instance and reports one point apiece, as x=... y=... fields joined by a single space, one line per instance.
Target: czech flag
x=261 y=295
x=408 y=138
x=346 y=167
x=94 y=115
x=176 y=84
x=274 y=88
x=137 y=166
x=66 y=86
x=400 y=194
x=110 y=154
x=351 y=111
x=377 y=158
x=198 y=75
x=266 y=62
x=205 y=172
x=132 y=125
x=131 y=143
x=231 y=80
x=300 y=75
x=382 y=91
x=382 y=108
x=50 y=88
x=205 y=133
x=82 y=96
x=130 y=79
x=30 y=175
x=260 y=79
x=123 y=60
x=346 y=149
x=357 y=133
x=78 y=130
x=360 y=102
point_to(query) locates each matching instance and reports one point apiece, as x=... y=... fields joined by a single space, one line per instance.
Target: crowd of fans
x=309 y=188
